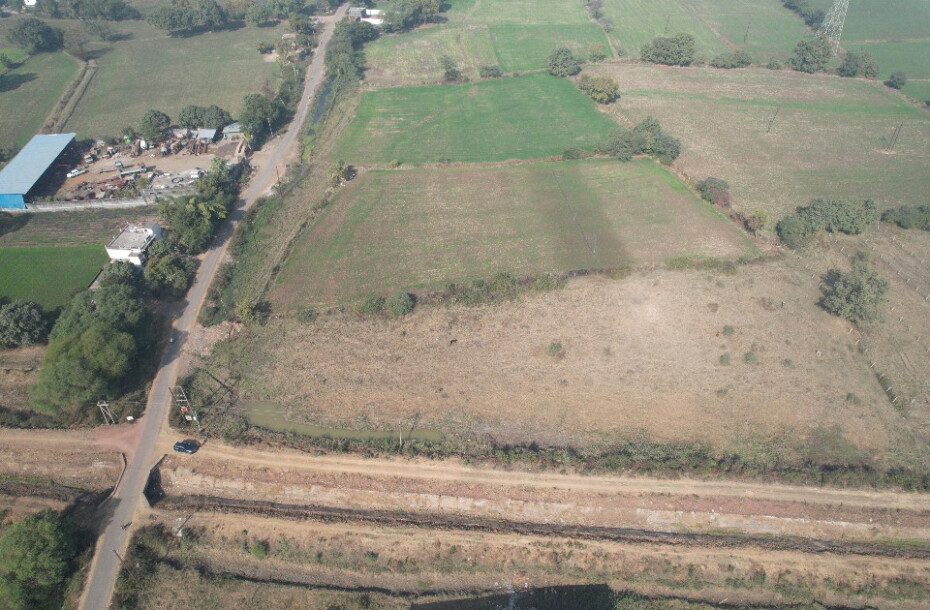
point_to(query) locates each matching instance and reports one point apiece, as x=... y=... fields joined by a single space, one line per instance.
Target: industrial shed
x=27 y=168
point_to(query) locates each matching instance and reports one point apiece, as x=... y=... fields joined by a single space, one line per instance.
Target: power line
x=832 y=26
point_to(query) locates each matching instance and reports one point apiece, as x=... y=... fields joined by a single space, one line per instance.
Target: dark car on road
x=187 y=446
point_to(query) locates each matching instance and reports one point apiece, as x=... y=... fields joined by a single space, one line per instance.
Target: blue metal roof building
x=26 y=168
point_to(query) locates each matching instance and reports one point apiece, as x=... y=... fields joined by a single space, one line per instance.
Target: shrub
x=666 y=148
x=725 y=359
x=736 y=59
x=675 y=51
x=556 y=350
x=774 y=64
x=307 y=315
x=715 y=190
x=571 y=154
x=858 y=64
x=601 y=89
x=646 y=138
x=450 y=71
x=850 y=217
x=751 y=358
x=597 y=52
x=729 y=330
x=259 y=550
x=563 y=63
x=400 y=304
x=897 y=80
x=811 y=55
x=490 y=72
x=757 y=221
x=372 y=305
x=857 y=295
x=909 y=217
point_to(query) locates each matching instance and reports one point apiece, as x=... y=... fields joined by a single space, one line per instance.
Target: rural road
x=112 y=545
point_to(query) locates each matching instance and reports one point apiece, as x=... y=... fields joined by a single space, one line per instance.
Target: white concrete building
x=133 y=242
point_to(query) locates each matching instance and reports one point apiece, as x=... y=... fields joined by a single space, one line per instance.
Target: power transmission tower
x=832 y=26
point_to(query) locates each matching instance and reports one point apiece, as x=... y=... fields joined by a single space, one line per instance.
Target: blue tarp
x=21 y=174
x=12 y=202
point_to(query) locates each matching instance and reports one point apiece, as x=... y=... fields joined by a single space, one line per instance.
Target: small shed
x=206 y=134
x=233 y=132
x=133 y=242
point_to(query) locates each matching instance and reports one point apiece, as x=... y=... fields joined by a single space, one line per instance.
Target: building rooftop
x=133 y=237
x=233 y=128
x=205 y=133
x=21 y=174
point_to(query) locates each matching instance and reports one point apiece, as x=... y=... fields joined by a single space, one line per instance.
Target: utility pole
x=184 y=406
x=108 y=417
x=895 y=136
x=772 y=120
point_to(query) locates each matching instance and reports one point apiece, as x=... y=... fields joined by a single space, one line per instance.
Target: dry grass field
x=734 y=361
x=828 y=135
x=390 y=230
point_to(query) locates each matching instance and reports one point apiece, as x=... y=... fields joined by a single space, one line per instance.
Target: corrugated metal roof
x=27 y=167
x=205 y=133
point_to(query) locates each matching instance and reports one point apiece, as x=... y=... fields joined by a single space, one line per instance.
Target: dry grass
x=827 y=139
x=18 y=370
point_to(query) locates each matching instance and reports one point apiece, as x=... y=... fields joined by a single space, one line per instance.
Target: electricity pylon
x=832 y=26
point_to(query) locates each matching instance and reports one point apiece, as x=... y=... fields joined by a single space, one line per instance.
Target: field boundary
x=62 y=116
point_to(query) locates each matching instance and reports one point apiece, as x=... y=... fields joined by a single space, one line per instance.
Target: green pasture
x=764 y=28
x=520 y=48
x=49 y=275
x=781 y=138
x=528 y=117
x=636 y=22
x=527 y=12
x=392 y=230
x=152 y=70
x=15 y=55
x=29 y=92
x=910 y=57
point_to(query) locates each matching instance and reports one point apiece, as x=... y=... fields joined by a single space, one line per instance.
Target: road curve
x=112 y=544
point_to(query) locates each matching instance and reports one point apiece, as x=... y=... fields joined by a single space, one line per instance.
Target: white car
x=76 y=172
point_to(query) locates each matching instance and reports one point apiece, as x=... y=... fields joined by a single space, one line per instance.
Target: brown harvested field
x=18 y=370
x=640 y=354
x=421 y=562
x=391 y=230
x=827 y=139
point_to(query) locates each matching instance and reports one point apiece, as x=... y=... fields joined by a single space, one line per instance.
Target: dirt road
x=112 y=544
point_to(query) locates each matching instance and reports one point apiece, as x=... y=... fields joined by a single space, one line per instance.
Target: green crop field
x=828 y=135
x=85 y=227
x=636 y=22
x=48 y=275
x=412 y=229
x=29 y=92
x=153 y=70
x=520 y=48
x=527 y=12
x=764 y=28
x=527 y=117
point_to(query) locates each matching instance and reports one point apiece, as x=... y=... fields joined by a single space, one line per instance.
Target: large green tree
x=34 y=556
x=154 y=124
x=562 y=62
x=22 y=323
x=35 y=36
x=856 y=295
x=811 y=55
x=259 y=116
x=675 y=51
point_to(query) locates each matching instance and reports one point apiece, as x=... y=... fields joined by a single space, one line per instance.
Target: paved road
x=113 y=543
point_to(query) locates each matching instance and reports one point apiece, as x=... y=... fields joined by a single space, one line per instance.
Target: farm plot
x=528 y=117
x=87 y=227
x=763 y=28
x=413 y=229
x=29 y=92
x=153 y=70
x=48 y=275
x=521 y=48
x=636 y=22
x=782 y=138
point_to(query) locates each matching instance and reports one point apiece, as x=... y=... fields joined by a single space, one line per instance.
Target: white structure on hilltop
x=133 y=242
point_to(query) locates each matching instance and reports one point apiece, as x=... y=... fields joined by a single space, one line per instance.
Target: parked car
x=76 y=172
x=187 y=446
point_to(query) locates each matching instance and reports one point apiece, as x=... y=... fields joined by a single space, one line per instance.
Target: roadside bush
x=563 y=63
x=22 y=323
x=715 y=190
x=909 y=217
x=897 y=80
x=857 y=295
x=675 y=51
x=736 y=59
x=490 y=72
x=601 y=89
x=850 y=217
x=400 y=304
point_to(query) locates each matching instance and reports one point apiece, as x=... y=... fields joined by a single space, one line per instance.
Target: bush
x=850 y=217
x=897 y=80
x=737 y=59
x=857 y=295
x=858 y=64
x=556 y=350
x=597 y=52
x=725 y=359
x=909 y=217
x=400 y=304
x=372 y=305
x=757 y=221
x=572 y=154
x=36 y=36
x=715 y=190
x=563 y=63
x=490 y=72
x=774 y=64
x=675 y=51
x=450 y=71
x=259 y=550
x=813 y=17
x=601 y=89
x=811 y=55
x=646 y=138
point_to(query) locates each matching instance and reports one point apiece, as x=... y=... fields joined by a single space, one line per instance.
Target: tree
x=897 y=80
x=666 y=148
x=451 y=72
x=736 y=59
x=22 y=323
x=34 y=556
x=214 y=117
x=258 y=15
x=122 y=272
x=258 y=116
x=676 y=51
x=5 y=61
x=601 y=89
x=857 y=295
x=36 y=36
x=858 y=64
x=400 y=304
x=850 y=217
x=563 y=63
x=715 y=190
x=811 y=55
x=154 y=124
x=169 y=274
x=405 y=14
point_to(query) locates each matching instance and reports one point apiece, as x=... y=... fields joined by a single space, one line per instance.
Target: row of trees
x=187 y=16
x=405 y=14
x=106 y=10
x=909 y=217
x=833 y=216
x=213 y=117
x=678 y=50
x=344 y=58
x=193 y=220
x=813 y=17
x=647 y=138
